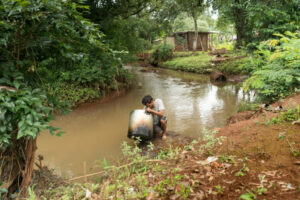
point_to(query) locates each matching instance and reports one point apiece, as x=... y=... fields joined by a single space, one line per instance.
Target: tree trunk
x=240 y=26
x=195 y=44
x=17 y=166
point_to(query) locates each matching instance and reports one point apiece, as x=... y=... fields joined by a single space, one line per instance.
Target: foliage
x=238 y=66
x=196 y=63
x=228 y=159
x=42 y=43
x=227 y=45
x=162 y=52
x=278 y=75
x=73 y=94
x=130 y=25
x=25 y=113
x=186 y=23
x=248 y=196
x=257 y=20
x=290 y=115
x=70 y=191
x=246 y=106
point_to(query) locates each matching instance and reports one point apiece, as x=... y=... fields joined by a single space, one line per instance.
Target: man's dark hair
x=147 y=99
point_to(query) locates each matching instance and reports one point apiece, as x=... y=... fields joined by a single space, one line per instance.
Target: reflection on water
x=95 y=131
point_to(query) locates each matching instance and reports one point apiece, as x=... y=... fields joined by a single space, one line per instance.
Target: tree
x=40 y=41
x=127 y=25
x=257 y=20
x=193 y=8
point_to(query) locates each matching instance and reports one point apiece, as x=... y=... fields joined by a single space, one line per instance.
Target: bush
x=239 y=66
x=162 y=52
x=277 y=71
x=73 y=94
x=228 y=46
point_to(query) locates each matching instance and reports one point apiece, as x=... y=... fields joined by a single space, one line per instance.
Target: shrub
x=228 y=46
x=279 y=72
x=162 y=52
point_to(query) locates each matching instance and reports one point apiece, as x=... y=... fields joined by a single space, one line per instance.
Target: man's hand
x=148 y=109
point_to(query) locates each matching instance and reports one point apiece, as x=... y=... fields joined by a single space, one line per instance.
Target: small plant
x=183 y=191
x=220 y=190
x=246 y=106
x=281 y=136
x=248 y=196
x=191 y=145
x=210 y=141
x=293 y=150
x=239 y=173
x=228 y=159
x=242 y=171
x=261 y=190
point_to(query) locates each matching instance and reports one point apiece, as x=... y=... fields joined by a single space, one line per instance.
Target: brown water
x=96 y=130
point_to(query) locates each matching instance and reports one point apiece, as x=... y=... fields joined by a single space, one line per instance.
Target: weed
x=248 y=196
x=242 y=171
x=293 y=150
x=261 y=190
x=210 y=141
x=183 y=191
x=281 y=136
x=220 y=190
x=239 y=173
x=31 y=193
x=287 y=116
x=246 y=106
x=228 y=159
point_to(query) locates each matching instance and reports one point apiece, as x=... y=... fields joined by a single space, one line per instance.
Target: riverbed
x=95 y=131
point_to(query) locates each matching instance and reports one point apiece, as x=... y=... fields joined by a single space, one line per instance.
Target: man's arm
x=158 y=113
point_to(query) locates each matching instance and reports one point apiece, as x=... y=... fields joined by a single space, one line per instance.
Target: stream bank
x=249 y=159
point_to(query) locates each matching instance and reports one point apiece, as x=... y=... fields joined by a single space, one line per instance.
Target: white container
x=140 y=125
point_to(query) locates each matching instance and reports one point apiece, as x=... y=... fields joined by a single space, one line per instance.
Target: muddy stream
x=96 y=130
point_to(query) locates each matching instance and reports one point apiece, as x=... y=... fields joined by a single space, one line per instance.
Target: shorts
x=164 y=118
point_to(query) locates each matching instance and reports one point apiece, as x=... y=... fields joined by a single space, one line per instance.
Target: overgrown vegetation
x=161 y=53
x=276 y=68
x=196 y=63
x=130 y=178
x=291 y=115
x=49 y=54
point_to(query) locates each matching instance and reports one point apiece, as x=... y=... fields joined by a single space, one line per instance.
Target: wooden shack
x=183 y=41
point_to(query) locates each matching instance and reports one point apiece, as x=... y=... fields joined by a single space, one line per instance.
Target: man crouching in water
x=157 y=109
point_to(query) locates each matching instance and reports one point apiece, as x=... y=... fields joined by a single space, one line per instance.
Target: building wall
x=202 y=43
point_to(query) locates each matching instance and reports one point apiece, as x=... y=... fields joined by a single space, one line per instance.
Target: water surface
x=96 y=130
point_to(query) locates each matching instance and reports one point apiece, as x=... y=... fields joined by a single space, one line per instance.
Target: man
x=157 y=109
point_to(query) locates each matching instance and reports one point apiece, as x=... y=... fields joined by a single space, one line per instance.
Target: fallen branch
x=7 y=88
x=110 y=168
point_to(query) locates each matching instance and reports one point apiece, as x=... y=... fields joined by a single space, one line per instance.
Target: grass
x=235 y=66
x=197 y=63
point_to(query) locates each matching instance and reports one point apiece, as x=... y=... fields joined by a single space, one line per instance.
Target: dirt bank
x=250 y=158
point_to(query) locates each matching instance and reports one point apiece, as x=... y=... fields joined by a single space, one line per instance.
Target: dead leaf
x=228 y=182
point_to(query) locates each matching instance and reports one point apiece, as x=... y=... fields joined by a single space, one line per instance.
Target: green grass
x=198 y=63
x=239 y=66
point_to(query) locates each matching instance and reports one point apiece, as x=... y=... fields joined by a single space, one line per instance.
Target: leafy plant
x=248 y=196
x=224 y=158
x=162 y=52
x=219 y=188
x=279 y=76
